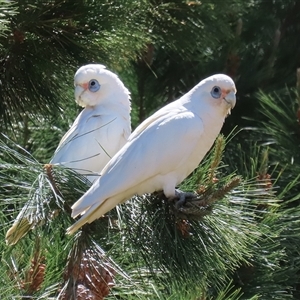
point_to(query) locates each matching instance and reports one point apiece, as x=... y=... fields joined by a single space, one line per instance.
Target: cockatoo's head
x=219 y=90
x=94 y=85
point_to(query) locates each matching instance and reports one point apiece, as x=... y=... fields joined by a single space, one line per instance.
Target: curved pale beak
x=78 y=91
x=230 y=99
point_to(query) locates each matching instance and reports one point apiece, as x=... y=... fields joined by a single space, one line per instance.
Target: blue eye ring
x=216 y=92
x=94 y=85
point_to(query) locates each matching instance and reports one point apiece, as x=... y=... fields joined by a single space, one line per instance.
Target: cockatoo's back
x=162 y=151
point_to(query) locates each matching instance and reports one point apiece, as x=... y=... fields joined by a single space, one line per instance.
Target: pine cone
x=266 y=180
x=34 y=276
x=232 y=65
x=82 y=293
x=96 y=276
x=184 y=227
x=19 y=36
x=92 y=277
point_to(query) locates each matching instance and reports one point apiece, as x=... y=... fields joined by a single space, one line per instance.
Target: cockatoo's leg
x=181 y=196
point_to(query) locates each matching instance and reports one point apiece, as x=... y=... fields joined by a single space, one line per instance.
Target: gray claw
x=182 y=197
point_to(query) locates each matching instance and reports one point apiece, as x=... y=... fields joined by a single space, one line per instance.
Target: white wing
x=91 y=141
x=161 y=148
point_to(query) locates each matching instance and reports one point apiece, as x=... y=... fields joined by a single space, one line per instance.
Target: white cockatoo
x=102 y=127
x=99 y=131
x=162 y=151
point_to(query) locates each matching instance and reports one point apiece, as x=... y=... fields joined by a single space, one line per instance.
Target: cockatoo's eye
x=94 y=85
x=216 y=92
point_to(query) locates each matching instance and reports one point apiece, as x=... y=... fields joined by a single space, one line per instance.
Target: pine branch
x=43 y=190
x=47 y=212
x=196 y=208
x=160 y=245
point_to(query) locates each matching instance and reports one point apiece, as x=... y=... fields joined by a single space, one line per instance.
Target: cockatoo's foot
x=182 y=196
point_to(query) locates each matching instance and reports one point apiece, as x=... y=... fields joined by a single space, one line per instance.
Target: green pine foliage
x=274 y=156
x=239 y=238
x=163 y=243
x=46 y=42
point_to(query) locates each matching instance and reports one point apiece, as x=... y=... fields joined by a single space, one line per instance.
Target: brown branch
x=50 y=174
x=196 y=208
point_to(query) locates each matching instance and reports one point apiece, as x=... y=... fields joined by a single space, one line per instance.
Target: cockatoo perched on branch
x=102 y=128
x=162 y=151
x=99 y=131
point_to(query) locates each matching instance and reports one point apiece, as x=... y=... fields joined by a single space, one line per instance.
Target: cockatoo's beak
x=230 y=99
x=78 y=91
x=84 y=85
